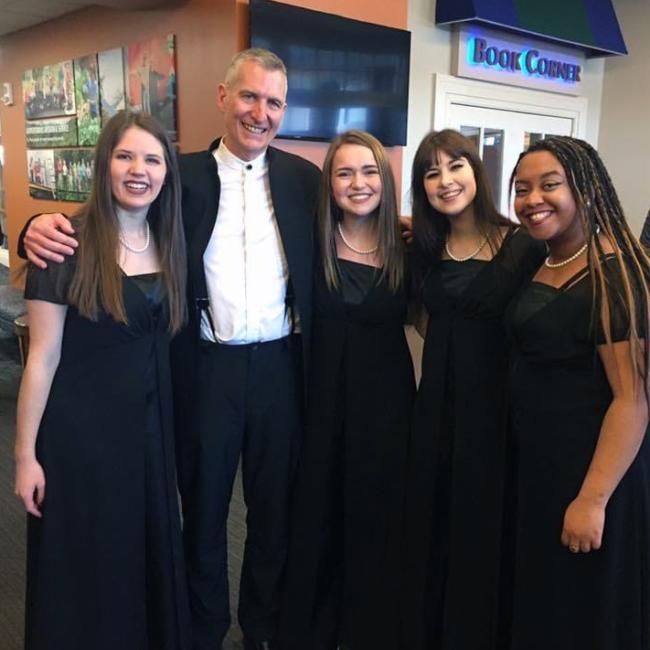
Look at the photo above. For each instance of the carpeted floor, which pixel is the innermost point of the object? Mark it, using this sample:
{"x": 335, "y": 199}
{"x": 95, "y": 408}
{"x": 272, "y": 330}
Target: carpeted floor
{"x": 11, "y": 302}
{"x": 12, "y": 517}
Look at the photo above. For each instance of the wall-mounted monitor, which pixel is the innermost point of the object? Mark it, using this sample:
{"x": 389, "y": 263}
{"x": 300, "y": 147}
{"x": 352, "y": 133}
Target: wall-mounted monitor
{"x": 343, "y": 73}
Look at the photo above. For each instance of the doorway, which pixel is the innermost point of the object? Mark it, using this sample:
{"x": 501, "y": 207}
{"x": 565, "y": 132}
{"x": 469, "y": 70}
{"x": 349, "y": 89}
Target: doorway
{"x": 500, "y": 136}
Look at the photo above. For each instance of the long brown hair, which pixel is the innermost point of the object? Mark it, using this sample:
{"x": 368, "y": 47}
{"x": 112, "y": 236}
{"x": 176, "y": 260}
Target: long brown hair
{"x": 390, "y": 247}
{"x": 97, "y": 280}
{"x": 430, "y": 227}
{"x": 599, "y": 210}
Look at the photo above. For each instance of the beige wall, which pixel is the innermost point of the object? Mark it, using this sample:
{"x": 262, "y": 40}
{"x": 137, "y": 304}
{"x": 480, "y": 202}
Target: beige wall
{"x": 624, "y": 141}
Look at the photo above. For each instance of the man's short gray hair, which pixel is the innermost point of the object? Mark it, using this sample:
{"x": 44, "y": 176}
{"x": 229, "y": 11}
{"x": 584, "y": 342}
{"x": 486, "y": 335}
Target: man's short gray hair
{"x": 264, "y": 58}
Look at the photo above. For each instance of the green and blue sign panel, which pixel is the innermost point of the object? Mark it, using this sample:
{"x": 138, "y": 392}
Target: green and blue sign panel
{"x": 590, "y": 25}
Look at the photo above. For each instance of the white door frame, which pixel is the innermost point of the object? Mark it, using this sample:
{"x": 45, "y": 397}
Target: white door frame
{"x": 448, "y": 90}
{"x": 513, "y": 127}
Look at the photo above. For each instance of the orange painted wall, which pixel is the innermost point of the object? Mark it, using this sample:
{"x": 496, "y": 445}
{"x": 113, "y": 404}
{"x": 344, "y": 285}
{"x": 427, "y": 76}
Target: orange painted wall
{"x": 208, "y": 33}
{"x": 205, "y": 42}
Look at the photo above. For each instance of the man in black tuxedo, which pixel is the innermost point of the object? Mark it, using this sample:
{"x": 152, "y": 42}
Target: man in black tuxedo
{"x": 238, "y": 366}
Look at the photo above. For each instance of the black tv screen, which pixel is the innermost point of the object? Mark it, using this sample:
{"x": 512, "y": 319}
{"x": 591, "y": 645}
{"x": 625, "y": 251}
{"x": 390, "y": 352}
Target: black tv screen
{"x": 343, "y": 74}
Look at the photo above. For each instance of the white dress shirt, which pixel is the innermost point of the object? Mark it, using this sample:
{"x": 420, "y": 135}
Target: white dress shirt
{"x": 245, "y": 265}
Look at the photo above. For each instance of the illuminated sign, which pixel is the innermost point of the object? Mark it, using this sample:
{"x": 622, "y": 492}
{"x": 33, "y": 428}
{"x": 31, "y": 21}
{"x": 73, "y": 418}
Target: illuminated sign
{"x": 528, "y": 61}
{"x": 505, "y": 58}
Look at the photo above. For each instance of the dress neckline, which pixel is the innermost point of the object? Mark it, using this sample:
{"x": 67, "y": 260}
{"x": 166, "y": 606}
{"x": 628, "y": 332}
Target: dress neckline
{"x": 511, "y": 233}
{"x": 368, "y": 266}
{"x": 144, "y": 275}
{"x": 577, "y": 277}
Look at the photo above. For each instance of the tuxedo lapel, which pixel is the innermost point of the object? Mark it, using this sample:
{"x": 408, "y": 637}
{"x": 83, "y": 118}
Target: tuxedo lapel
{"x": 292, "y": 216}
{"x": 206, "y": 204}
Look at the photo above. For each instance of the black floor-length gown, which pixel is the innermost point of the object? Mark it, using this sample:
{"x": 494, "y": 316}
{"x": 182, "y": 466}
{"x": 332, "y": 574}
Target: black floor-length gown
{"x": 453, "y": 542}
{"x": 104, "y": 563}
{"x": 342, "y": 583}
{"x": 560, "y": 393}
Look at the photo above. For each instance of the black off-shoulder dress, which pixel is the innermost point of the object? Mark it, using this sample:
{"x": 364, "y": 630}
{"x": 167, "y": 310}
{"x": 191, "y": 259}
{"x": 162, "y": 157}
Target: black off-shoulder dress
{"x": 560, "y": 394}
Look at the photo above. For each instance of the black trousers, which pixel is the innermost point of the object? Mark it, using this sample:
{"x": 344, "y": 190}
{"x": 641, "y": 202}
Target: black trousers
{"x": 249, "y": 405}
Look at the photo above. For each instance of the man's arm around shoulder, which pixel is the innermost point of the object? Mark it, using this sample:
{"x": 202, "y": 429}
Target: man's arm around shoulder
{"x": 45, "y": 237}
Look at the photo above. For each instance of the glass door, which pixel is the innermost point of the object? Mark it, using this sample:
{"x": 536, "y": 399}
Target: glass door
{"x": 500, "y": 136}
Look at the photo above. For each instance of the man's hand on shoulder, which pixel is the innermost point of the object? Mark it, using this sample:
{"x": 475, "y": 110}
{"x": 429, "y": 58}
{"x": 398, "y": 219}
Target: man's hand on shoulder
{"x": 49, "y": 237}
{"x": 406, "y": 226}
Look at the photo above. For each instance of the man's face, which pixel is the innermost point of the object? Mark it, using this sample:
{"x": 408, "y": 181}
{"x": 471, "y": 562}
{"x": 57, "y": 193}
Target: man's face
{"x": 253, "y": 105}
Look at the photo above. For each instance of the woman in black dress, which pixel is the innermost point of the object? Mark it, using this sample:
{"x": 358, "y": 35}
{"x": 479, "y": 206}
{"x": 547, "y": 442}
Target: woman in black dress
{"x": 469, "y": 262}
{"x": 580, "y": 412}
{"x": 94, "y": 449}
{"x": 342, "y": 585}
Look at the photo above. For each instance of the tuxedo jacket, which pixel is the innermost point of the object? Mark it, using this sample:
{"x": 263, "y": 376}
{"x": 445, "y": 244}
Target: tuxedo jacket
{"x": 294, "y": 186}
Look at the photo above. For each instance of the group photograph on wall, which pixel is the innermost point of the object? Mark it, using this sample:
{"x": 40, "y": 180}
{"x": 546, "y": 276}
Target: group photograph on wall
{"x": 67, "y": 103}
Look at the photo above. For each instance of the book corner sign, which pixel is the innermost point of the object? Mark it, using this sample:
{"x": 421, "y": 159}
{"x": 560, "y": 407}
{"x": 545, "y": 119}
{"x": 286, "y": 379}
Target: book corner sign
{"x": 515, "y": 60}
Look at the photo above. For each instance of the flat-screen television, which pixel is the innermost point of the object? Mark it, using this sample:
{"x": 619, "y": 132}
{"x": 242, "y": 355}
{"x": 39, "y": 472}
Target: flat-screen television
{"x": 343, "y": 74}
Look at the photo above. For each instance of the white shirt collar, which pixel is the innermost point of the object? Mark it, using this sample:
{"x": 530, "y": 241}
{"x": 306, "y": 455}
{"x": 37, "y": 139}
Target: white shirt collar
{"x": 227, "y": 159}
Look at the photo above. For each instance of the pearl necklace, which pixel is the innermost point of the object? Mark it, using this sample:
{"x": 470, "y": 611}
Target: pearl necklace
{"x": 137, "y": 251}
{"x": 470, "y": 256}
{"x": 557, "y": 265}
{"x": 358, "y": 251}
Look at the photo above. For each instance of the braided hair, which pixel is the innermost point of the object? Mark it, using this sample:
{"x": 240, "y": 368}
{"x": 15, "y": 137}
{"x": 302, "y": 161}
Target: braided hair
{"x": 600, "y": 211}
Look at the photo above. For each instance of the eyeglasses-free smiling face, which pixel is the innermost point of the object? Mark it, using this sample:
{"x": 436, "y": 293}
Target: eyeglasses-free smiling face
{"x": 356, "y": 183}
{"x": 450, "y": 184}
{"x": 138, "y": 169}
{"x": 253, "y": 105}
{"x": 543, "y": 199}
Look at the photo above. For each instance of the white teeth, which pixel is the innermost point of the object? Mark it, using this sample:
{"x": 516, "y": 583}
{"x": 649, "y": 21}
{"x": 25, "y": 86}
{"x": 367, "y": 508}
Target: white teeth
{"x": 539, "y": 216}
{"x": 449, "y": 195}
{"x": 258, "y": 130}
{"x": 135, "y": 185}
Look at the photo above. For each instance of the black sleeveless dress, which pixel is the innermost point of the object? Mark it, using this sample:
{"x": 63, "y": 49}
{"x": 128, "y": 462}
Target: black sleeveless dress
{"x": 455, "y": 578}
{"x": 342, "y": 581}
{"x": 104, "y": 563}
